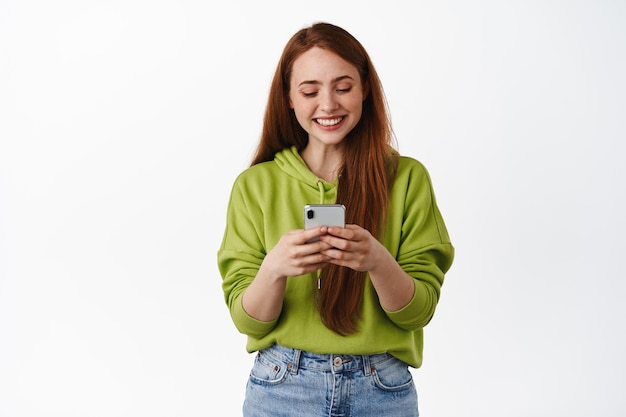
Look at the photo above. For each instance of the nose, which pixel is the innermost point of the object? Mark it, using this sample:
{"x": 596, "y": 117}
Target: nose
{"x": 328, "y": 102}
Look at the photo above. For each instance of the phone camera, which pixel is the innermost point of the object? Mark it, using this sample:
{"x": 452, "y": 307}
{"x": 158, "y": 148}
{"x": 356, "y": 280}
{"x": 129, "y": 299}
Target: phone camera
{"x": 310, "y": 214}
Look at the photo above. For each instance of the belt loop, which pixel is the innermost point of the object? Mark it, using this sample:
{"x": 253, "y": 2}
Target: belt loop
{"x": 367, "y": 368}
{"x": 295, "y": 363}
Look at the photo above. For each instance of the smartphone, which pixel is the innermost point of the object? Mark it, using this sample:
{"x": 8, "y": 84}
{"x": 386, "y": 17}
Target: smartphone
{"x": 324, "y": 215}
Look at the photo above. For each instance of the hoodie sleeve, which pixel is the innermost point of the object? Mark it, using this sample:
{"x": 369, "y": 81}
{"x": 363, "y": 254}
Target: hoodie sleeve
{"x": 239, "y": 258}
{"x": 424, "y": 250}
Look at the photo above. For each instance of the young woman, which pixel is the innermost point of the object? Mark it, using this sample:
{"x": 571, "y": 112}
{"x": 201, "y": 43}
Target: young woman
{"x": 336, "y": 322}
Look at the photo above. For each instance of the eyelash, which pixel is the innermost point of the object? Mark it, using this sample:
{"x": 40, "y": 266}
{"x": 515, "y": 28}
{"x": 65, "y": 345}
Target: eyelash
{"x": 341, "y": 91}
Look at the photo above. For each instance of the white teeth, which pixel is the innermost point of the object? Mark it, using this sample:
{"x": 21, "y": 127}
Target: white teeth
{"x": 329, "y": 122}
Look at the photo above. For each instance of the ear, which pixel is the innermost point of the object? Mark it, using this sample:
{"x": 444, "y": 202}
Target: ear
{"x": 366, "y": 90}
{"x": 288, "y": 97}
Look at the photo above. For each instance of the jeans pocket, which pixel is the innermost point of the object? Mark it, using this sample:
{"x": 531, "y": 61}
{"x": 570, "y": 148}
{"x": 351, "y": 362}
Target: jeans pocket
{"x": 392, "y": 375}
{"x": 268, "y": 370}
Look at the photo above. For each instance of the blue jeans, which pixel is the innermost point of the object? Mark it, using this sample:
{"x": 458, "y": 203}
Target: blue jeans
{"x": 290, "y": 382}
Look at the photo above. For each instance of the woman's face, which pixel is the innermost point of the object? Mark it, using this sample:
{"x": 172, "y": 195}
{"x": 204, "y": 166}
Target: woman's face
{"x": 326, "y": 95}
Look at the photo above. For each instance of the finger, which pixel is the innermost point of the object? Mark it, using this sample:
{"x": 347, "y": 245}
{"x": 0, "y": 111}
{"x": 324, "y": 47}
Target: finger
{"x": 312, "y": 263}
{"x": 335, "y": 254}
{"x": 314, "y": 247}
{"x": 309, "y": 235}
{"x": 336, "y": 242}
{"x": 349, "y": 232}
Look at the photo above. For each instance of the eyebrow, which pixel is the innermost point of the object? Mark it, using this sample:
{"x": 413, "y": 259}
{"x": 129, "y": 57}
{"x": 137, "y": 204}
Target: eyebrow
{"x": 334, "y": 80}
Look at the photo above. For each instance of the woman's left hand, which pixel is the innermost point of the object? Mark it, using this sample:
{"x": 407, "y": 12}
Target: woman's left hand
{"x": 353, "y": 247}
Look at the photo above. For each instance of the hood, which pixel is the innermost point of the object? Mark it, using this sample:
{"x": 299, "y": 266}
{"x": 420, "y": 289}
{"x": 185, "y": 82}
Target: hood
{"x": 290, "y": 161}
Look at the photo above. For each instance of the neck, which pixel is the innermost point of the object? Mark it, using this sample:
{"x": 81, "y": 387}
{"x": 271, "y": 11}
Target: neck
{"x": 325, "y": 164}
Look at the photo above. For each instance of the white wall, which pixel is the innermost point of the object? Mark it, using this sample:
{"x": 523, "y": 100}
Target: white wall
{"x": 124, "y": 123}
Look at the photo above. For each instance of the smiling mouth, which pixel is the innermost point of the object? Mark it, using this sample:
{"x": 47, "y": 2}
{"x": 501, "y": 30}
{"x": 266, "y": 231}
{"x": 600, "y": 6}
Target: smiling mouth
{"x": 329, "y": 122}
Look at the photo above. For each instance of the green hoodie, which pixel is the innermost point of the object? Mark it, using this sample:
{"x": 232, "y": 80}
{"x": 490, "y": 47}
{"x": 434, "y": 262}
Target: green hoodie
{"x": 267, "y": 200}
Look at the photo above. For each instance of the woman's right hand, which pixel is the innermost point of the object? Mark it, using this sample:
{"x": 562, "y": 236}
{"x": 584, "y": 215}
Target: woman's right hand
{"x": 293, "y": 255}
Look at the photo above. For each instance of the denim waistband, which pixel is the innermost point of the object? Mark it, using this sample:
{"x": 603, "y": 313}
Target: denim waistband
{"x": 336, "y": 363}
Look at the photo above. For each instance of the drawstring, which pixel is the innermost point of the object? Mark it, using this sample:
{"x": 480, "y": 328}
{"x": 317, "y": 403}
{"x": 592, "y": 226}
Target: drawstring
{"x": 320, "y": 186}
{"x": 318, "y": 275}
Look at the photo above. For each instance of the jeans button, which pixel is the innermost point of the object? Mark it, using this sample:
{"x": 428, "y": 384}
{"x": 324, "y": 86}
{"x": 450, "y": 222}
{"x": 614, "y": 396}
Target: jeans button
{"x": 337, "y": 361}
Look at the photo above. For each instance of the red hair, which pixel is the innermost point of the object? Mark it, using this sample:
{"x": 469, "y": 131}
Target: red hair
{"x": 369, "y": 164}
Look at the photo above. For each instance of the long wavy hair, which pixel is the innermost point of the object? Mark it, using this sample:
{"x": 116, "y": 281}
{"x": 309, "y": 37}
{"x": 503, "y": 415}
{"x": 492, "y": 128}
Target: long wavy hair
{"x": 368, "y": 169}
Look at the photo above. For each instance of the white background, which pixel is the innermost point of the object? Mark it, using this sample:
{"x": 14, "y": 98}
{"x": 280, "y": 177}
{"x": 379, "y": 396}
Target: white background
{"x": 124, "y": 122}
